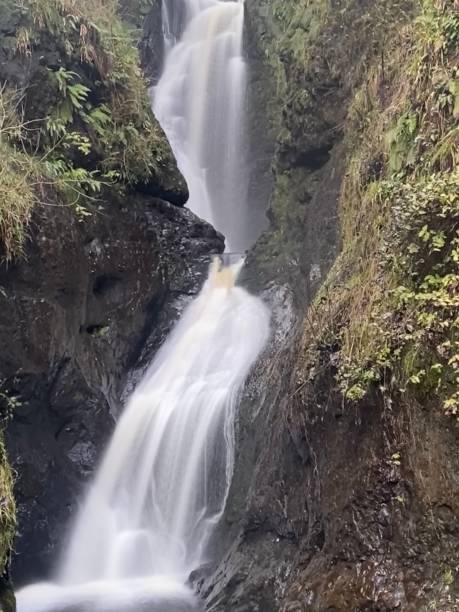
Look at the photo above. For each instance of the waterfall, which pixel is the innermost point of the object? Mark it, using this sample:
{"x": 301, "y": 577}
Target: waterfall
{"x": 162, "y": 485}
{"x": 165, "y": 476}
{"x": 200, "y": 102}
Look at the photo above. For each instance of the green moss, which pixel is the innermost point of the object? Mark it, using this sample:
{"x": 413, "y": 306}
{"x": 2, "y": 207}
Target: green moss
{"x": 318, "y": 54}
{"x": 19, "y": 174}
{"x": 7, "y": 599}
{"x": 100, "y": 96}
{"x": 17, "y": 198}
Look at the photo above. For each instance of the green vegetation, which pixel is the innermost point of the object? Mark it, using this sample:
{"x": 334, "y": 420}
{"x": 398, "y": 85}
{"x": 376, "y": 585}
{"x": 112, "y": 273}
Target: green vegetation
{"x": 7, "y": 522}
{"x": 19, "y": 174}
{"x": 7, "y": 506}
{"x": 134, "y": 11}
{"x": 389, "y": 310}
{"x": 85, "y": 120}
{"x": 101, "y": 110}
{"x": 318, "y": 53}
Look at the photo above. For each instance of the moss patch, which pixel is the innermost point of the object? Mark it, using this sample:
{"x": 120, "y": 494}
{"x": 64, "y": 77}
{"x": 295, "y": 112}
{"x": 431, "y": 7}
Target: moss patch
{"x": 318, "y": 51}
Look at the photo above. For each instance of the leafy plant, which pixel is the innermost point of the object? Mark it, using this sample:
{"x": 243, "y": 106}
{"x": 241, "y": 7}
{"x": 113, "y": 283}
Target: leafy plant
{"x": 90, "y": 126}
{"x": 18, "y": 173}
{"x": 401, "y": 142}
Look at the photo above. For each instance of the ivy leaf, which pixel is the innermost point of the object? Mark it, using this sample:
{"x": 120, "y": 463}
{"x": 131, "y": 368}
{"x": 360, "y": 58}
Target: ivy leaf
{"x": 424, "y": 234}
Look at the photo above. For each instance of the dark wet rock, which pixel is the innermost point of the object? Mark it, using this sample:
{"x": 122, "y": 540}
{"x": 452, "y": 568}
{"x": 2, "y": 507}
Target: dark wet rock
{"x": 75, "y": 317}
{"x": 7, "y": 598}
{"x": 171, "y": 187}
{"x": 297, "y": 145}
{"x": 152, "y": 41}
{"x": 320, "y": 515}
{"x": 261, "y": 124}
{"x": 151, "y": 45}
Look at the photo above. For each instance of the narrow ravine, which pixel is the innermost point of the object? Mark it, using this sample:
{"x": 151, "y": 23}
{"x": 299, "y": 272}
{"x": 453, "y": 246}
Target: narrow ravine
{"x": 154, "y": 503}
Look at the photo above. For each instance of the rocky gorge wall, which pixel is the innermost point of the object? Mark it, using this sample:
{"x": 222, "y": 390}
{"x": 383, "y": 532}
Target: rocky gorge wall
{"x": 345, "y": 491}
{"x": 99, "y": 276}
{"x": 75, "y": 320}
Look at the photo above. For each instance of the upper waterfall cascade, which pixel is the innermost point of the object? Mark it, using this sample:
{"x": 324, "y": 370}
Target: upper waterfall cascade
{"x": 200, "y": 102}
{"x": 162, "y": 485}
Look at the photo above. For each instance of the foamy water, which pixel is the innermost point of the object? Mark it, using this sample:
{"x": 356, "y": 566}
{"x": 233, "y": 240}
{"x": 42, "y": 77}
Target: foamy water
{"x": 201, "y": 102}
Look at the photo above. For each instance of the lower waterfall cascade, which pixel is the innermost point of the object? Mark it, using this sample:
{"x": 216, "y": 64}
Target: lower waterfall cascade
{"x": 161, "y": 488}
{"x": 163, "y": 483}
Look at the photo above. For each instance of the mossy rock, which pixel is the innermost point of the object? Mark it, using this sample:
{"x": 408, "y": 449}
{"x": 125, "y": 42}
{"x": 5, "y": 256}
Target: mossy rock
{"x": 7, "y": 598}
{"x": 84, "y": 113}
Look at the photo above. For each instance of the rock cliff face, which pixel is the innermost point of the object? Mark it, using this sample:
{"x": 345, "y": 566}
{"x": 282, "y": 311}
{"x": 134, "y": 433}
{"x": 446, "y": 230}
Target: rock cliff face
{"x": 322, "y": 515}
{"x": 92, "y": 297}
{"x": 337, "y": 504}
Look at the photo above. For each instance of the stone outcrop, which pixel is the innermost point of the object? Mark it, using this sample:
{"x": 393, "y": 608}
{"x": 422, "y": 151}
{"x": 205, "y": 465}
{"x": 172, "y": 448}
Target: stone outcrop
{"x": 75, "y": 316}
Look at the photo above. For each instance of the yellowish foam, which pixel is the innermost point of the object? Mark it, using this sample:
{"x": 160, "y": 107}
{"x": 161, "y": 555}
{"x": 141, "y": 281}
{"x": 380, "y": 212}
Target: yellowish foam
{"x": 221, "y": 277}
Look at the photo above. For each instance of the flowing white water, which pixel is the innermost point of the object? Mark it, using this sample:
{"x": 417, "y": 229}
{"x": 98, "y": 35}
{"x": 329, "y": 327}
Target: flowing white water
{"x": 163, "y": 483}
{"x": 200, "y": 102}
{"x": 164, "y": 480}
